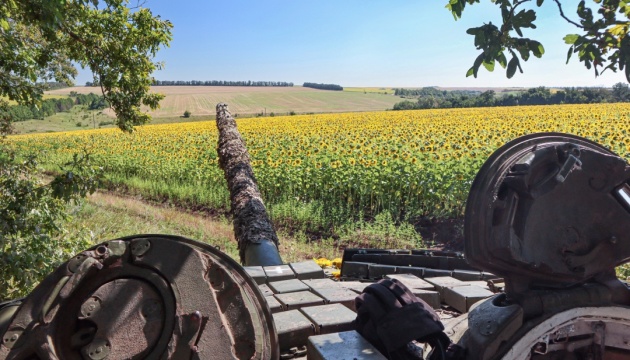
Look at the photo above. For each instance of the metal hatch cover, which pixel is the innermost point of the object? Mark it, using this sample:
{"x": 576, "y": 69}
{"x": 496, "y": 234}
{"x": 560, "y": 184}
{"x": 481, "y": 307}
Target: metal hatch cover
{"x": 549, "y": 210}
{"x": 144, "y": 297}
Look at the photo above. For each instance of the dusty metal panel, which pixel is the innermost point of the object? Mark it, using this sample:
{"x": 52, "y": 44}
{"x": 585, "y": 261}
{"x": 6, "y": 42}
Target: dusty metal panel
{"x": 342, "y": 345}
{"x": 287, "y": 286}
{"x": 257, "y": 273}
{"x": 466, "y": 275}
{"x": 321, "y": 283}
{"x": 355, "y": 286}
{"x": 265, "y": 290}
{"x": 431, "y": 273}
{"x": 378, "y": 271}
{"x": 330, "y": 318}
{"x": 338, "y": 295}
{"x": 279, "y": 272}
{"x": 307, "y": 270}
{"x": 356, "y": 270}
{"x": 443, "y": 282}
{"x": 459, "y": 263}
{"x": 399, "y": 260}
{"x": 274, "y": 304}
{"x": 429, "y": 296}
{"x": 412, "y": 281}
{"x": 293, "y": 329}
{"x": 413, "y": 270}
{"x": 481, "y": 283}
{"x": 463, "y": 297}
{"x": 349, "y": 253}
{"x": 295, "y": 300}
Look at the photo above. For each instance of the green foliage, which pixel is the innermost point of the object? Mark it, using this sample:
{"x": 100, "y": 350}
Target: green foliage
{"x": 621, "y": 92}
{"x": 41, "y": 40}
{"x": 623, "y": 271}
{"x": 383, "y": 231}
{"x": 32, "y": 215}
{"x": 603, "y": 43}
{"x": 533, "y": 96}
{"x": 187, "y": 114}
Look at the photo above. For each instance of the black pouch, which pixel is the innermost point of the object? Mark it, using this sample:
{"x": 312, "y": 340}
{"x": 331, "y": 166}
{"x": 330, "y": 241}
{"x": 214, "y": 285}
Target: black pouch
{"x": 390, "y": 317}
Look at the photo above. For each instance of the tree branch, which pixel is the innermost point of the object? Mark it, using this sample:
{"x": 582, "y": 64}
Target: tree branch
{"x": 565, "y": 17}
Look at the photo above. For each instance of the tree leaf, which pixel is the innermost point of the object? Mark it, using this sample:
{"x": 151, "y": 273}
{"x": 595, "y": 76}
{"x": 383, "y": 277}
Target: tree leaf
{"x": 511, "y": 67}
{"x": 536, "y": 48}
{"x": 489, "y": 65}
{"x": 571, "y": 38}
{"x": 477, "y": 64}
{"x": 539, "y": 2}
{"x": 502, "y": 60}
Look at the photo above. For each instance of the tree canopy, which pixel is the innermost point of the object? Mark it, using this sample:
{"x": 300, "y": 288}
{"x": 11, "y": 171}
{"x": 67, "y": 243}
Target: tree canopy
{"x": 601, "y": 44}
{"x": 41, "y": 40}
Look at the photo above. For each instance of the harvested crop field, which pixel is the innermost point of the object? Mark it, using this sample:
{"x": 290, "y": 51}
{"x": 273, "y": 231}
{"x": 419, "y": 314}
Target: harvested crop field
{"x": 201, "y": 100}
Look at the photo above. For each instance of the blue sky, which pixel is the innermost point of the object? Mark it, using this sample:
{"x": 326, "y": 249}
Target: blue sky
{"x": 393, "y": 43}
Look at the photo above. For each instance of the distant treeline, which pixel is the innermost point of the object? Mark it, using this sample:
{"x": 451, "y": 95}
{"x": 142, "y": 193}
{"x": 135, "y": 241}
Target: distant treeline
{"x": 55, "y": 85}
{"x": 431, "y": 91}
{"x": 50, "y": 107}
{"x": 534, "y": 96}
{"x": 212, "y": 83}
{"x": 323, "y": 86}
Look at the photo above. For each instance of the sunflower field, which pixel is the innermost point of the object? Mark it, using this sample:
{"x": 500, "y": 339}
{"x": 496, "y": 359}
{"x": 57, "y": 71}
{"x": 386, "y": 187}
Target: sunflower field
{"x": 322, "y": 171}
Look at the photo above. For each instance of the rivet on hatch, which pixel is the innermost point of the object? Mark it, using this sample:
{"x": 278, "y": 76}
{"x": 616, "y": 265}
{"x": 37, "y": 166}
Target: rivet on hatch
{"x": 11, "y": 337}
{"x": 140, "y": 247}
{"x": 97, "y": 350}
{"x": 75, "y": 262}
{"x": 90, "y": 307}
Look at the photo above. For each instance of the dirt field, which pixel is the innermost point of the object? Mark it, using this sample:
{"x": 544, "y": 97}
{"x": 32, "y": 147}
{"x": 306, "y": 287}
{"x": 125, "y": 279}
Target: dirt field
{"x": 201, "y": 100}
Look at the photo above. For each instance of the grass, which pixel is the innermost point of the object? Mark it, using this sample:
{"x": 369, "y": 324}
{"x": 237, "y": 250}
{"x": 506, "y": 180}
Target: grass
{"x": 247, "y": 101}
{"x": 65, "y": 121}
{"x": 136, "y": 216}
{"x": 370, "y": 90}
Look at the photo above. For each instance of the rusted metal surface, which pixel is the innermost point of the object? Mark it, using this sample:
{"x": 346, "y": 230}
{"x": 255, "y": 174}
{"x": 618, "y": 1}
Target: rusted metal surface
{"x": 545, "y": 210}
{"x": 149, "y": 297}
{"x": 257, "y": 239}
{"x": 549, "y": 214}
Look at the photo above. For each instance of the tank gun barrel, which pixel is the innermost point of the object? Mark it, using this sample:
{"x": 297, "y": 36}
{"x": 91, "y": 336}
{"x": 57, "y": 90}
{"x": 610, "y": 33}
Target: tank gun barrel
{"x": 257, "y": 239}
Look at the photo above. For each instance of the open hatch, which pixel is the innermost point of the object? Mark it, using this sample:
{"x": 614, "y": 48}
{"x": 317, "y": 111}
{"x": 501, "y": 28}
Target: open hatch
{"x": 550, "y": 213}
